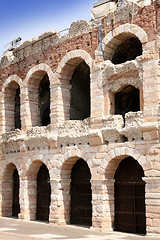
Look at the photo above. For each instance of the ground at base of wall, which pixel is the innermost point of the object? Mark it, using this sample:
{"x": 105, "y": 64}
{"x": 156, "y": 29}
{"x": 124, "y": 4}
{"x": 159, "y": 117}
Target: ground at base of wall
{"x": 18, "y": 229}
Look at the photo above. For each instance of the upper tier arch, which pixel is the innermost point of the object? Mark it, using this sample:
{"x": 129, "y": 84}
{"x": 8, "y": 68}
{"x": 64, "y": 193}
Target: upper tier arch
{"x": 119, "y": 35}
{"x": 79, "y": 56}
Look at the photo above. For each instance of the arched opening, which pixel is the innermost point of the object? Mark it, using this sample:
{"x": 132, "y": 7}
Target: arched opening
{"x": 10, "y": 192}
{"x": 130, "y": 197}
{"x": 15, "y": 203}
{"x": 17, "y": 118}
{"x": 81, "y": 194}
{"x": 126, "y": 100}
{"x": 129, "y": 48}
{"x": 39, "y": 98}
{"x": 43, "y": 194}
{"x": 80, "y": 92}
{"x": 12, "y": 107}
{"x": 44, "y": 101}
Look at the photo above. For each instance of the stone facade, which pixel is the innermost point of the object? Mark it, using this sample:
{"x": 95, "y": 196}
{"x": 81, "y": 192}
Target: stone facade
{"x": 104, "y": 139}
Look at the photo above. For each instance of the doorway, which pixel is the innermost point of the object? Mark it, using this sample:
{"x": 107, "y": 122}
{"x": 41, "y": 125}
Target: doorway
{"x": 130, "y": 197}
{"x": 15, "y": 200}
{"x": 43, "y": 194}
{"x": 81, "y": 194}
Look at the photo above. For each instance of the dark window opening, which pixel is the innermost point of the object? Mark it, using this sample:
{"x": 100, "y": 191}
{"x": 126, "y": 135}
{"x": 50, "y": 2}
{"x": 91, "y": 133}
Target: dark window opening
{"x": 17, "y": 117}
{"x": 123, "y": 138}
{"x": 127, "y": 100}
{"x": 128, "y": 50}
{"x": 81, "y": 194}
{"x": 130, "y": 197}
{"x": 80, "y": 93}
{"x": 43, "y": 194}
{"x": 15, "y": 200}
{"x": 44, "y": 101}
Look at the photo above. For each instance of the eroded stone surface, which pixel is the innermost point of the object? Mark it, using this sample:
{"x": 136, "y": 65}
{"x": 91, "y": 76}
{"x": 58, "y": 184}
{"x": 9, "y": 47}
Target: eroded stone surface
{"x": 104, "y": 139}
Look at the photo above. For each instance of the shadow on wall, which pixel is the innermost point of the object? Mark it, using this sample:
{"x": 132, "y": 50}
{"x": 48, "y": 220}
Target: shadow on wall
{"x": 80, "y": 93}
{"x": 127, "y": 100}
{"x": 12, "y": 106}
{"x": 39, "y": 98}
{"x": 123, "y": 47}
{"x": 44, "y": 101}
{"x": 129, "y": 49}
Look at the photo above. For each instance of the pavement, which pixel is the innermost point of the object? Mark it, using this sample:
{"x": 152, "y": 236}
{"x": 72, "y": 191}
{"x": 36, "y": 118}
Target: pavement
{"x": 15, "y": 229}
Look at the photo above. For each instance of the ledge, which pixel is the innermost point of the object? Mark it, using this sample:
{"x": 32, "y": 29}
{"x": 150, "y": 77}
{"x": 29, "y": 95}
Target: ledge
{"x": 74, "y": 132}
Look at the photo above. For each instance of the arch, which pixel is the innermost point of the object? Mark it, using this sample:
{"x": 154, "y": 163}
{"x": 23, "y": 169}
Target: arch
{"x": 114, "y": 38}
{"x": 73, "y": 58}
{"x": 71, "y": 157}
{"x": 12, "y": 78}
{"x": 109, "y": 166}
{"x": 32, "y": 173}
{"x": 11, "y": 99}
{"x": 33, "y": 169}
{"x": 115, "y": 156}
{"x": 38, "y": 71}
{"x": 38, "y": 81}
{"x": 66, "y": 70}
{"x": 10, "y": 191}
{"x": 8, "y": 167}
{"x": 69, "y": 161}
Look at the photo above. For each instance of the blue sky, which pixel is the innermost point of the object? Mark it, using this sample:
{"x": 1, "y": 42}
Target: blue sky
{"x": 31, "y": 18}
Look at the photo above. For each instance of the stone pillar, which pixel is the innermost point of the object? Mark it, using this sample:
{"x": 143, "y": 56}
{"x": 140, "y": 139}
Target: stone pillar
{"x": 152, "y": 190}
{"x": 151, "y": 90}
{"x": 66, "y": 201}
{"x": 102, "y": 204}
{"x": 151, "y": 96}
{"x": 28, "y": 199}
{"x": 60, "y": 103}
{"x": 24, "y": 200}
{"x": 110, "y": 211}
{"x": 53, "y": 105}
{"x": 25, "y": 111}
{"x": 0, "y": 197}
{"x": 6, "y": 197}
{"x": 60, "y": 201}
{"x": 97, "y": 98}
{"x": 2, "y": 115}
{"x": 97, "y": 106}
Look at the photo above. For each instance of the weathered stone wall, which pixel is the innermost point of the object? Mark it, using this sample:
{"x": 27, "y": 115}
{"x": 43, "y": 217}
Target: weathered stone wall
{"x": 103, "y": 140}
